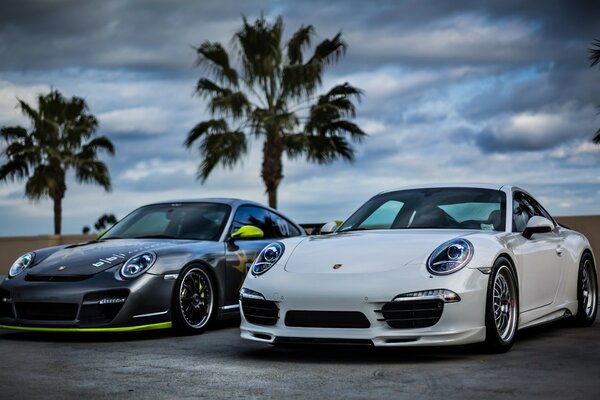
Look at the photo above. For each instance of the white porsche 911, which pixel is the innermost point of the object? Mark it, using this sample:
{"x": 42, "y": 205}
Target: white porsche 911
{"x": 429, "y": 265}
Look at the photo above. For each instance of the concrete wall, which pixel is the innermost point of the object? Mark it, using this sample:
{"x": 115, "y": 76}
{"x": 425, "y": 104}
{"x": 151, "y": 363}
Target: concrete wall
{"x": 13, "y": 247}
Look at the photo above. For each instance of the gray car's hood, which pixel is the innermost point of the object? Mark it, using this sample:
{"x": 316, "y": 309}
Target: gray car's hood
{"x": 97, "y": 256}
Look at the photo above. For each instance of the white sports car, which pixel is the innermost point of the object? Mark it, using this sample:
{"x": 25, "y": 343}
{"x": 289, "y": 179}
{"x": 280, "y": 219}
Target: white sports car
{"x": 428, "y": 265}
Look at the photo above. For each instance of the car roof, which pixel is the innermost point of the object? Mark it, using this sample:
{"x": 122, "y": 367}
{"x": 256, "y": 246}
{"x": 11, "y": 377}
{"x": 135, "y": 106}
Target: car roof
{"x": 221, "y": 200}
{"x": 493, "y": 186}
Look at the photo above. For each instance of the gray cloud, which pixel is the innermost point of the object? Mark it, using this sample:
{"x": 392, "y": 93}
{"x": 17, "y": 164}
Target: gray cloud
{"x": 461, "y": 91}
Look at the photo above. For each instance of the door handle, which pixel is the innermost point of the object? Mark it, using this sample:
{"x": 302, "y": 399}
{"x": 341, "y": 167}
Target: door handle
{"x": 559, "y": 250}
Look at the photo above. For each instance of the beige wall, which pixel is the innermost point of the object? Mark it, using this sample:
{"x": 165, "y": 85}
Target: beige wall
{"x": 13, "y": 247}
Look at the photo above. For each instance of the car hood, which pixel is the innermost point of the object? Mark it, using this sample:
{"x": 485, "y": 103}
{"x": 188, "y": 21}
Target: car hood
{"x": 368, "y": 251}
{"x": 97, "y": 256}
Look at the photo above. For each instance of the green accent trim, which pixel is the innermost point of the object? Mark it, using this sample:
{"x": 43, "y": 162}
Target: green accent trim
{"x": 248, "y": 232}
{"x": 161, "y": 325}
{"x": 338, "y": 222}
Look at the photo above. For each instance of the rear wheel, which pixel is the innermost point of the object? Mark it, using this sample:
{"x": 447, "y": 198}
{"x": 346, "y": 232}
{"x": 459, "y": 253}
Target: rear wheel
{"x": 193, "y": 300}
{"x": 502, "y": 308}
{"x": 587, "y": 292}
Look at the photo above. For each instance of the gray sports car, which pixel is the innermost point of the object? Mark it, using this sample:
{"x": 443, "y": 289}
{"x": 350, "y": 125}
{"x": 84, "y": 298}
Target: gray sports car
{"x": 178, "y": 263}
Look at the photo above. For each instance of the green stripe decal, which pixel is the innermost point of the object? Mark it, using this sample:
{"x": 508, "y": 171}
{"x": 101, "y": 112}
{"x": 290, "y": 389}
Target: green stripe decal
{"x": 162, "y": 325}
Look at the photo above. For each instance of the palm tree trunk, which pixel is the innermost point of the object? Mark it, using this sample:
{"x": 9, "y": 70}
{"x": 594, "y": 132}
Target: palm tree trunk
{"x": 272, "y": 168}
{"x": 57, "y": 215}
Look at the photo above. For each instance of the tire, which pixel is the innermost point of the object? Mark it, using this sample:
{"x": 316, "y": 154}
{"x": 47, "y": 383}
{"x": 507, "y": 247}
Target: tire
{"x": 502, "y": 307}
{"x": 587, "y": 292}
{"x": 194, "y": 300}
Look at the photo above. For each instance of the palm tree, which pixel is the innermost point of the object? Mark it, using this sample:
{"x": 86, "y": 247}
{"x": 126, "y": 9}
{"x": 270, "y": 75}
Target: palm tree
{"x": 272, "y": 96}
{"x": 595, "y": 59}
{"x": 61, "y": 138}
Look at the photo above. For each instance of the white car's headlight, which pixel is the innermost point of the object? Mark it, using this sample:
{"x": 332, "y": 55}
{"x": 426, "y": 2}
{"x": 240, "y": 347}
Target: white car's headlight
{"x": 450, "y": 257}
{"x": 137, "y": 265}
{"x": 267, "y": 258}
{"x": 21, "y": 264}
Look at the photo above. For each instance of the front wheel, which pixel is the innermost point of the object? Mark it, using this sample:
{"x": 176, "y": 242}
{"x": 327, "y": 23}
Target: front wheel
{"x": 502, "y": 308}
{"x": 587, "y": 292}
{"x": 193, "y": 300}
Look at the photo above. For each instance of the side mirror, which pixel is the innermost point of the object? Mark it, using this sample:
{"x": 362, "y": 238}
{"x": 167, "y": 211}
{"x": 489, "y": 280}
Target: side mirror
{"x": 537, "y": 224}
{"x": 248, "y": 232}
{"x": 330, "y": 227}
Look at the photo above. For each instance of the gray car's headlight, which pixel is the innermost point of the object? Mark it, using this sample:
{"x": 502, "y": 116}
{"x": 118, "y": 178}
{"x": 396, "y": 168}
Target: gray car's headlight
{"x": 137, "y": 265}
{"x": 267, "y": 258}
{"x": 450, "y": 257}
{"x": 21, "y": 264}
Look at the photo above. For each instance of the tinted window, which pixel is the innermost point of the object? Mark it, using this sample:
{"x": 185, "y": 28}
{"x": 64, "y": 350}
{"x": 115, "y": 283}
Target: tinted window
{"x": 436, "y": 208}
{"x": 272, "y": 224}
{"x": 525, "y": 207}
{"x": 197, "y": 221}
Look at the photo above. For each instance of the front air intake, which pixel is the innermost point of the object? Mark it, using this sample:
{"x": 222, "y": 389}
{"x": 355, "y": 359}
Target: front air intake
{"x": 260, "y": 312}
{"x": 412, "y": 313}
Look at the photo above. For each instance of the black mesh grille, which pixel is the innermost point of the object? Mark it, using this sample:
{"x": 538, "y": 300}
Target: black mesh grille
{"x": 412, "y": 314}
{"x": 5, "y": 307}
{"x": 261, "y": 312}
{"x": 47, "y": 311}
{"x": 326, "y": 319}
{"x": 325, "y": 341}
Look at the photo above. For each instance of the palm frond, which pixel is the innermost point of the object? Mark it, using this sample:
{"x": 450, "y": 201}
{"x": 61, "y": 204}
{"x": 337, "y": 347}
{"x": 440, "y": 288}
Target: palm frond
{"x": 260, "y": 48}
{"x": 10, "y": 133}
{"x": 210, "y": 127}
{"x": 43, "y": 182}
{"x": 328, "y": 115}
{"x": 14, "y": 170}
{"x": 595, "y": 53}
{"x": 233, "y": 104}
{"x": 91, "y": 170}
{"x": 301, "y": 79}
{"x": 216, "y": 60}
{"x": 597, "y": 137}
{"x": 100, "y": 143}
{"x": 224, "y": 149}
{"x": 299, "y": 42}
{"x": 329, "y": 51}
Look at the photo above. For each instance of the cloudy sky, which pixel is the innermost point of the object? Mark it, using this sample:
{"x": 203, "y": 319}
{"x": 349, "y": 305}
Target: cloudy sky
{"x": 461, "y": 91}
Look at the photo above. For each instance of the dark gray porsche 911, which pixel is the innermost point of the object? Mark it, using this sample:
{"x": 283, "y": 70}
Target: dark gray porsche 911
{"x": 176, "y": 264}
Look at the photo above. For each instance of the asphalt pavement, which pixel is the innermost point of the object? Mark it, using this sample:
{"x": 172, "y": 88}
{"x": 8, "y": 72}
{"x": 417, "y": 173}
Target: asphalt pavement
{"x": 550, "y": 362}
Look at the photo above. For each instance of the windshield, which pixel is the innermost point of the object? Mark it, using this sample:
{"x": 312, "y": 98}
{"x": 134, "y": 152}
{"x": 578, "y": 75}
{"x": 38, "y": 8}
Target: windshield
{"x": 196, "y": 221}
{"x": 436, "y": 208}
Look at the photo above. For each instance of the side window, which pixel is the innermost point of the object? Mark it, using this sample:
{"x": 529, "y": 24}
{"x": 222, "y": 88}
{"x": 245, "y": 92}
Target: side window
{"x": 539, "y": 210}
{"x": 281, "y": 227}
{"x": 256, "y": 216}
{"x": 522, "y": 211}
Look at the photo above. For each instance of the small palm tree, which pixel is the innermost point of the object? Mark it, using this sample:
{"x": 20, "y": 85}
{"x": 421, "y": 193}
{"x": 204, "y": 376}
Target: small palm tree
{"x": 272, "y": 96}
{"x": 595, "y": 59}
{"x": 61, "y": 138}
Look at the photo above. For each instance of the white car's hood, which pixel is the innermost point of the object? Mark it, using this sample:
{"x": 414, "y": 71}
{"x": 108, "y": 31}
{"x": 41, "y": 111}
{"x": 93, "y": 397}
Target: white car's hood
{"x": 368, "y": 251}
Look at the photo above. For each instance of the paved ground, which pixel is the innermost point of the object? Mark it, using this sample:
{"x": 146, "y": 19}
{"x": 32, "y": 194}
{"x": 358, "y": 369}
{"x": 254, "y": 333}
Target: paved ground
{"x": 554, "y": 361}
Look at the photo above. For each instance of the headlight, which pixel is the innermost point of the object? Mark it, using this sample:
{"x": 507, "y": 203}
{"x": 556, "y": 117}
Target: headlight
{"x": 450, "y": 257}
{"x": 267, "y": 258}
{"x": 137, "y": 265}
{"x": 21, "y": 264}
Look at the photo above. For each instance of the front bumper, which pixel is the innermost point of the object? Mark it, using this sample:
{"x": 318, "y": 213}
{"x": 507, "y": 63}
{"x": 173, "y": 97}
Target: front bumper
{"x": 100, "y": 303}
{"x": 461, "y": 322}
